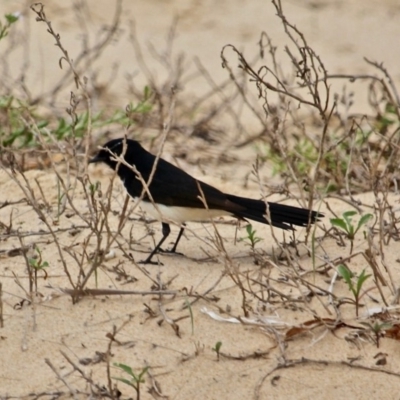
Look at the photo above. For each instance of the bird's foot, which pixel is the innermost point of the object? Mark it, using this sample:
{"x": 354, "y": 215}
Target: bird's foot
{"x": 149, "y": 261}
{"x": 171, "y": 251}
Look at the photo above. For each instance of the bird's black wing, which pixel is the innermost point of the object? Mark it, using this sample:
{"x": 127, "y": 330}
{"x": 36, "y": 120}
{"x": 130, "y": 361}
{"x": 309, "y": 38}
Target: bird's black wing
{"x": 174, "y": 187}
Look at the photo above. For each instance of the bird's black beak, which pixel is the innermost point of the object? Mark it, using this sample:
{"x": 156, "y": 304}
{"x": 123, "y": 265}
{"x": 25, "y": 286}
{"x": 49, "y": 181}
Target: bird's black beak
{"x": 95, "y": 159}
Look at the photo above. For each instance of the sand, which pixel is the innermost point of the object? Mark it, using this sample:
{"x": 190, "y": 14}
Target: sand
{"x": 258, "y": 359}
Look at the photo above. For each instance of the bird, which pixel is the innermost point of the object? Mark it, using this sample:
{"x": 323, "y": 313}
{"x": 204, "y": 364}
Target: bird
{"x": 180, "y": 198}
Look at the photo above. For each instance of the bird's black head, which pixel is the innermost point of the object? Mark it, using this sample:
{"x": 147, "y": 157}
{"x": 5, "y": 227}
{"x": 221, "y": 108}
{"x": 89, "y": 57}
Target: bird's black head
{"x": 115, "y": 147}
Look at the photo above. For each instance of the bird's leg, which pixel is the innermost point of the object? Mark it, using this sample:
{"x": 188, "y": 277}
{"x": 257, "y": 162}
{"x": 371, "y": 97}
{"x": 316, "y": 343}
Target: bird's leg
{"x": 173, "y": 250}
{"x": 166, "y": 230}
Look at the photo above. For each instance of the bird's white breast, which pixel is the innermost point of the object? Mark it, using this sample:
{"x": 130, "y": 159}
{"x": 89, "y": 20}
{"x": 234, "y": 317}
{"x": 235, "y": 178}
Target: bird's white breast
{"x": 179, "y": 215}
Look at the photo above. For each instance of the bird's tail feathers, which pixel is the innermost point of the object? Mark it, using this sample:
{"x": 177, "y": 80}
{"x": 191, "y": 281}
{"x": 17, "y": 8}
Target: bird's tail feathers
{"x": 281, "y": 215}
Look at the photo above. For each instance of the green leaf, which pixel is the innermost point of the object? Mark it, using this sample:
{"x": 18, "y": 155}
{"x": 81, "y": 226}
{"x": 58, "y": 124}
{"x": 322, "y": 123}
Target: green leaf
{"x": 381, "y": 327}
{"x": 331, "y": 188}
{"x": 125, "y": 368}
{"x": 217, "y": 347}
{"x": 249, "y": 230}
{"x": 345, "y": 273}
{"x": 146, "y": 92}
{"x": 144, "y": 370}
{"x": 347, "y": 216}
{"x": 363, "y": 220}
{"x": 129, "y": 383}
{"x": 339, "y": 223}
{"x": 32, "y": 262}
{"x": 11, "y": 18}
{"x": 361, "y": 279}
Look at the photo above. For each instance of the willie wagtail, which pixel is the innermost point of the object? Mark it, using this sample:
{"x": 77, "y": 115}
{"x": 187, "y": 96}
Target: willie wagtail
{"x": 179, "y": 199}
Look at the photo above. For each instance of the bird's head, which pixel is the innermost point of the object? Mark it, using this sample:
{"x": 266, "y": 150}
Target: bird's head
{"x": 110, "y": 150}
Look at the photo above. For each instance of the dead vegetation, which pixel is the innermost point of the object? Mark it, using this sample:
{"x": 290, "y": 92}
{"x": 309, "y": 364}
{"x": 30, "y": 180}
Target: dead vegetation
{"x": 340, "y": 277}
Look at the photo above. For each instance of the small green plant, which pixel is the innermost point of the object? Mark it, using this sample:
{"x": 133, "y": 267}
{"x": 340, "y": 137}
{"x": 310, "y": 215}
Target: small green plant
{"x": 388, "y": 118}
{"x": 356, "y": 288}
{"x": 16, "y": 133}
{"x": 134, "y": 379}
{"x": 94, "y": 187}
{"x": 378, "y": 329}
{"x": 346, "y": 225}
{"x": 144, "y": 106}
{"x": 267, "y": 153}
{"x": 251, "y": 237}
{"x": 217, "y": 349}
{"x": 78, "y": 128}
{"x": 306, "y": 153}
{"x": 14, "y": 129}
{"x": 37, "y": 264}
{"x": 5, "y": 27}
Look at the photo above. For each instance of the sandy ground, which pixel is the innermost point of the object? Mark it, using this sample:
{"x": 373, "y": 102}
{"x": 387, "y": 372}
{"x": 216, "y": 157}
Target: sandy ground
{"x": 184, "y": 366}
